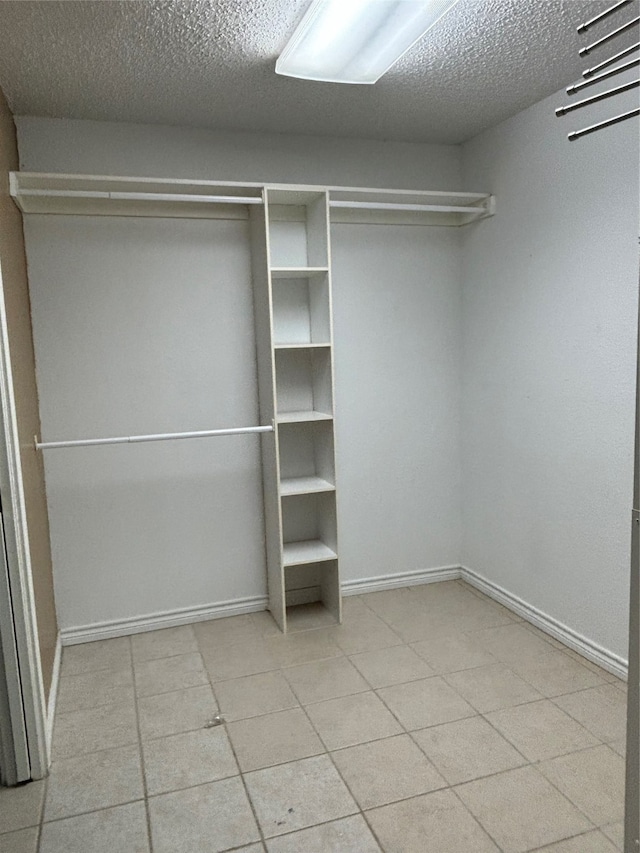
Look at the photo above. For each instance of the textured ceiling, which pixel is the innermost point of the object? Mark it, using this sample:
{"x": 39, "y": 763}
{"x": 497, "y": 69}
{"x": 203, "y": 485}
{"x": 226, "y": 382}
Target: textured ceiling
{"x": 210, "y": 63}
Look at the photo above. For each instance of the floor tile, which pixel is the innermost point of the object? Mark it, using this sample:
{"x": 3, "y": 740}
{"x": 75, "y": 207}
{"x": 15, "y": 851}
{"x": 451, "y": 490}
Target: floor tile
{"x": 467, "y": 749}
{"x": 165, "y": 675}
{"x": 297, "y": 795}
{"x": 386, "y": 771}
{"x": 453, "y": 653}
{"x": 188, "y": 759}
{"x": 21, "y": 807}
{"x": 592, "y": 779}
{"x": 325, "y": 679}
{"x": 123, "y": 828}
{"x": 254, "y": 695}
{"x": 352, "y": 719}
{"x": 352, "y": 606}
{"x": 171, "y": 713}
{"x": 92, "y": 689}
{"x": 602, "y": 710}
{"x": 364, "y": 633}
{"x": 590, "y": 842}
{"x": 82, "y": 732}
{"x": 619, "y": 746}
{"x": 615, "y": 833}
{"x": 419, "y": 704}
{"x": 489, "y": 688}
{"x": 22, "y": 841}
{"x": 273, "y": 739}
{"x": 439, "y": 817}
{"x": 243, "y": 658}
{"x": 227, "y": 631}
{"x": 541, "y": 730}
{"x": 511, "y": 643}
{"x": 265, "y": 624}
{"x": 555, "y": 673}
{"x": 109, "y": 778}
{"x": 349, "y": 835}
{"x": 206, "y": 819}
{"x": 165, "y": 643}
{"x": 395, "y": 665}
{"x": 293, "y": 649}
{"x": 93, "y": 657}
{"x": 521, "y": 810}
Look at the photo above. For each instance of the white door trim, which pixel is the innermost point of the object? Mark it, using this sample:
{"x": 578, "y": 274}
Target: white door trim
{"x": 28, "y": 676}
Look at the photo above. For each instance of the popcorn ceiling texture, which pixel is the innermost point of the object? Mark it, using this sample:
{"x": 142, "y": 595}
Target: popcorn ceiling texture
{"x": 210, "y": 63}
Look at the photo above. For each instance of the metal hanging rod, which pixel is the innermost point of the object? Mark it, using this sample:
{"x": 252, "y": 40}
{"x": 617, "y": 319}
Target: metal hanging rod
{"x": 589, "y": 72}
{"x": 585, "y": 51}
{"x": 576, "y": 134}
{"x": 131, "y": 196}
{"x": 597, "y": 18}
{"x": 136, "y": 439}
{"x": 384, "y": 205}
{"x": 577, "y": 87}
{"x": 595, "y": 98}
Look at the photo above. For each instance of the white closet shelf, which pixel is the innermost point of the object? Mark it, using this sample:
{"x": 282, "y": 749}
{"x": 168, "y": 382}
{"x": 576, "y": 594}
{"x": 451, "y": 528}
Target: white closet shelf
{"x": 302, "y": 417}
{"x": 309, "y": 551}
{"x": 304, "y": 486}
{"x": 298, "y": 272}
{"x": 303, "y": 345}
{"x": 108, "y": 195}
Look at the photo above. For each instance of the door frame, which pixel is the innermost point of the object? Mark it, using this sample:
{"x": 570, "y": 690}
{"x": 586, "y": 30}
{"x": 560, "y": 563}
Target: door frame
{"x": 20, "y": 645}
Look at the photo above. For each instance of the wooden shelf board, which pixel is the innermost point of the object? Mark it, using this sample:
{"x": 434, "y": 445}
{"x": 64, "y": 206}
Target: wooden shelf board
{"x": 301, "y": 417}
{"x": 304, "y": 486}
{"x": 302, "y": 346}
{"x": 298, "y": 272}
{"x": 308, "y": 551}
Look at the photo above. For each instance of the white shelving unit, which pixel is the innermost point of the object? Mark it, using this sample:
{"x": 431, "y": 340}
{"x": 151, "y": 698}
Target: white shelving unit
{"x": 292, "y": 295}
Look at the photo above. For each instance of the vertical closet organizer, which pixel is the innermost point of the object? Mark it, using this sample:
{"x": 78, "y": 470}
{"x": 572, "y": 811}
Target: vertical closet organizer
{"x": 294, "y": 336}
{"x": 291, "y": 277}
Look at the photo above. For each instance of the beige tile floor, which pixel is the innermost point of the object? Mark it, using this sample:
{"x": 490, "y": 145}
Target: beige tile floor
{"x": 432, "y": 721}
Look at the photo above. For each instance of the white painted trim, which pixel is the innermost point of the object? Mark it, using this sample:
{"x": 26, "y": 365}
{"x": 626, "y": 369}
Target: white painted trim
{"x": 415, "y": 578}
{"x": 587, "y": 648}
{"x": 19, "y": 565}
{"x": 53, "y": 694}
{"x": 164, "y": 619}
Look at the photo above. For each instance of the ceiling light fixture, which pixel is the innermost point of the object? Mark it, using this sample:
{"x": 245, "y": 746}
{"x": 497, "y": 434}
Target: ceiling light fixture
{"x": 356, "y": 41}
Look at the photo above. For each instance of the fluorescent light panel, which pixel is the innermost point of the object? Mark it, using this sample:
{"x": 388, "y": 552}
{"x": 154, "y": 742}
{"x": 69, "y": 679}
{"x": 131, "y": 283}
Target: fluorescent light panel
{"x": 356, "y": 41}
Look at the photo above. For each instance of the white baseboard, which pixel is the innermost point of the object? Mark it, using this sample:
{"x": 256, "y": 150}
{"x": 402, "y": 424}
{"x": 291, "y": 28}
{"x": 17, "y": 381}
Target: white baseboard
{"x": 587, "y": 648}
{"x": 382, "y": 582}
{"x": 53, "y": 695}
{"x": 184, "y": 616}
{"x": 165, "y": 619}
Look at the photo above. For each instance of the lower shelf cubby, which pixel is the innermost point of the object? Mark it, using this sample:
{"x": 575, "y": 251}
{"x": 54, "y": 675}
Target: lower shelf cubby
{"x": 312, "y": 594}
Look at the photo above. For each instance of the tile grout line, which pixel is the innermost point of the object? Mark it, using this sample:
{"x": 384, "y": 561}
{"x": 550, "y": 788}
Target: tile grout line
{"x": 235, "y": 758}
{"x": 143, "y": 767}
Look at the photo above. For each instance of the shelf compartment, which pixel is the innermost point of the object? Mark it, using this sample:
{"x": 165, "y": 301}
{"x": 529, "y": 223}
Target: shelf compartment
{"x": 304, "y": 486}
{"x": 304, "y": 382}
{"x": 298, "y": 228}
{"x": 306, "y": 451}
{"x": 301, "y": 310}
{"x": 305, "y": 552}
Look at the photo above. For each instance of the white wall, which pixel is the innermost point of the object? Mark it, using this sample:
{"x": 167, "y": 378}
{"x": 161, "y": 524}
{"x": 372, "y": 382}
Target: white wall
{"x": 146, "y": 325}
{"x": 549, "y": 330}
{"x": 109, "y": 148}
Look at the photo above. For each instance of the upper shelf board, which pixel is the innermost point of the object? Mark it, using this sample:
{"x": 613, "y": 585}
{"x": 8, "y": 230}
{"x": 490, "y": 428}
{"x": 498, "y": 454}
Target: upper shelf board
{"x": 95, "y": 195}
